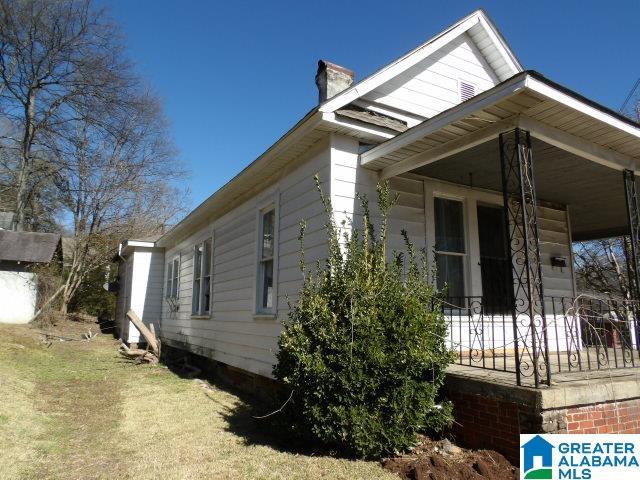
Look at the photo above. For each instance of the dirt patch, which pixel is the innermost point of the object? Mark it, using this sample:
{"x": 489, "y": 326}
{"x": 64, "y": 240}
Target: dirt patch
{"x": 441, "y": 460}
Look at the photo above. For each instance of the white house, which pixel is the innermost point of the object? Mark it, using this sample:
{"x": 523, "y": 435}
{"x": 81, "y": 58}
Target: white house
{"x": 453, "y": 125}
{"x": 20, "y": 252}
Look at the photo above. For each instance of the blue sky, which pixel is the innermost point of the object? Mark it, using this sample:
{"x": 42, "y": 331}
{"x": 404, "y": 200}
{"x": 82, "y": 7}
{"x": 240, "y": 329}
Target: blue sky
{"x": 235, "y": 76}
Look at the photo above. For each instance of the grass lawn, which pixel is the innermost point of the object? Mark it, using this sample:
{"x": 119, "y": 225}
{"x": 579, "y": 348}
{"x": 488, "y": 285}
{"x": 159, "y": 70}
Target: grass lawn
{"x": 77, "y": 410}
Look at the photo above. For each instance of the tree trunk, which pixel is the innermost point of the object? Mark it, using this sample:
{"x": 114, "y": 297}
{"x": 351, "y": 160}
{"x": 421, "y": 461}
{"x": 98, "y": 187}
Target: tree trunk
{"x": 22, "y": 192}
{"x": 47, "y": 303}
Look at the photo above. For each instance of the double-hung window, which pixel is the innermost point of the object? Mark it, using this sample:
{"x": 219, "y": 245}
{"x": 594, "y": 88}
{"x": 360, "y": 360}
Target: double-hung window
{"x": 266, "y": 249}
{"x": 173, "y": 272}
{"x": 450, "y": 247}
{"x": 201, "y": 298}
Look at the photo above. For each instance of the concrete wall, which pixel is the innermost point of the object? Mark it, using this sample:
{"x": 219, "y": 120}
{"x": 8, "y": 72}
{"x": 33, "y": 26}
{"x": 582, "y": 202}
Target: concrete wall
{"x": 18, "y": 296}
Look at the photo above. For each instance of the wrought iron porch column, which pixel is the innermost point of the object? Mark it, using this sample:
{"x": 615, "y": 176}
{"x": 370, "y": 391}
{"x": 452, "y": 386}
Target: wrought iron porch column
{"x": 522, "y": 242}
{"x": 632, "y": 249}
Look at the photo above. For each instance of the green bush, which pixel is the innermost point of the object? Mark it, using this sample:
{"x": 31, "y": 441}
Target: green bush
{"x": 363, "y": 353}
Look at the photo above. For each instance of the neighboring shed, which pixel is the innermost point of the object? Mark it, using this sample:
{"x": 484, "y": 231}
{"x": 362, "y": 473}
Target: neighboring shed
{"x": 6, "y": 220}
{"x": 19, "y": 253}
{"x": 140, "y": 272}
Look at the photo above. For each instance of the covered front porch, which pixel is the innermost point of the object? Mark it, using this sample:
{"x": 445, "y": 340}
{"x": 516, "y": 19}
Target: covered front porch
{"x": 512, "y": 178}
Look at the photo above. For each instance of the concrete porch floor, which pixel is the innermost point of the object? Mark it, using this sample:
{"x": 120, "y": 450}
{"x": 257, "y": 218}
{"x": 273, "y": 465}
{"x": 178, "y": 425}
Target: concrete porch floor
{"x": 501, "y": 369}
{"x": 557, "y": 378}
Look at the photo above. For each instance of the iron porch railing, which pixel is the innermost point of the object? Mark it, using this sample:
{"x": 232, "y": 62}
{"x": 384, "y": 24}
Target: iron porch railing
{"x": 583, "y": 334}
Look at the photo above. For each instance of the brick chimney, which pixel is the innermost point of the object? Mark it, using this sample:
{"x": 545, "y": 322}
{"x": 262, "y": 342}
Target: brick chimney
{"x": 332, "y": 79}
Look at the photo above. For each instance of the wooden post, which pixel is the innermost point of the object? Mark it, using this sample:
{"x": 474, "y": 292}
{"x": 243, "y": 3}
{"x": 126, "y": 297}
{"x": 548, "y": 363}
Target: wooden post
{"x": 146, "y": 333}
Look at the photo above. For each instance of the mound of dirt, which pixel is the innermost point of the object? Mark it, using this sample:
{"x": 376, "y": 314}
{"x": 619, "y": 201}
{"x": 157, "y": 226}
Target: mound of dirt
{"x": 442, "y": 460}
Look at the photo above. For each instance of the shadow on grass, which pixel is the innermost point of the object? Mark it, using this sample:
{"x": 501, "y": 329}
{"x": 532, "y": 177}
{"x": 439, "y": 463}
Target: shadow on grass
{"x": 241, "y": 420}
{"x": 242, "y": 417}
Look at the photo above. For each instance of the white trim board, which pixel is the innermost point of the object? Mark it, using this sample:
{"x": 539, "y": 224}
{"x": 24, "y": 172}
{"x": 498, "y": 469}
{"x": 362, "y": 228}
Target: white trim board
{"x": 420, "y": 53}
{"x": 552, "y": 135}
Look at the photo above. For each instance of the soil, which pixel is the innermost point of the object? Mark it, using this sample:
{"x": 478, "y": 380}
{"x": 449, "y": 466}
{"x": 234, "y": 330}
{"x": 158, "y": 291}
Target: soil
{"x": 441, "y": 460}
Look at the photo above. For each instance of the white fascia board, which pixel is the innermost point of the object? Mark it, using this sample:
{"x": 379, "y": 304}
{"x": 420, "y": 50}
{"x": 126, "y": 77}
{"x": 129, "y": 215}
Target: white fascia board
{"x": 546, "y": 133}
{"x": 443, "y": 119}
{"x": 128, "y": 245}
{"x": 502, "y": 48}
{"x": 449, "y": 148}
{"x": 396, "y": 68}
{"x": 572, "y": 102}
{"x": 372, "y": 131}
{"x": 140, "y": 243}
{"x": 577, "y": 145}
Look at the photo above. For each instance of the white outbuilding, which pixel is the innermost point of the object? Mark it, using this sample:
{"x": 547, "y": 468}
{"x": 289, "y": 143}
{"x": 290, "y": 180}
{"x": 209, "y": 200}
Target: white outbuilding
{"x": 20, "y": 252}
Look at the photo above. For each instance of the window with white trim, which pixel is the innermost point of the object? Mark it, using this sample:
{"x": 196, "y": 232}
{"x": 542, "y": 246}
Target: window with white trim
{"x": 450, "y": 248}
{"x": 266, "y": 249}
{"x": 201, "y": 298}
{"x": 173, "y": 273}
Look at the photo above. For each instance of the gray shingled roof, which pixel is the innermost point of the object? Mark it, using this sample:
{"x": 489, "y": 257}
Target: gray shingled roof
{"x": 32, "y": 247}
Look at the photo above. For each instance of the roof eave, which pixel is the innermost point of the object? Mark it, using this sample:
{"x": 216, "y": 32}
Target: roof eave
{"x": 432, "y": 45}
{"x": 309, "y": 121}
{"x": 524, "y": 82}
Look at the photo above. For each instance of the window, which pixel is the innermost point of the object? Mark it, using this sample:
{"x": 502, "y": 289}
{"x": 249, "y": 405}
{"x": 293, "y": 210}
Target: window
{"x": 201, "y": 298}
{"x": 266, "y": 243}
{"x": 197, "y": 273}
{"x": 206, "y": 276}
{"x": 450, "y": 246}
{"x": 173, "y": 271}
{"x": 175, "y": 291}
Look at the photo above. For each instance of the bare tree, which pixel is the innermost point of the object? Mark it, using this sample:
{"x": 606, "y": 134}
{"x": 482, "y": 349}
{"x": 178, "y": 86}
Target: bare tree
{"x": 601, "y": 267}
{"x": 116, "y": 180}
{"x": 84, "y": 141}
{"x": 56, "y": 58}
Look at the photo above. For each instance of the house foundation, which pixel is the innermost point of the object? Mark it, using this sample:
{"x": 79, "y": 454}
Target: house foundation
{"x": 490, "y": 411}
{"x": 240, "y": 380}
{"x": 490, "y": 414}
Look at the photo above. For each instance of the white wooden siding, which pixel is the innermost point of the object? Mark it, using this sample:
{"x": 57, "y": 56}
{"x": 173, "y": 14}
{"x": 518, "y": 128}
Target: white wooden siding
{"x": 146, "y": 287}
{"x": 415, "y": 195}
{"x": 234, "y": 334}
{"x": 348, "y": 178}
{"x": 555, "y": 241}
{"x": 488, "y": 49}
{"x": 431, "y": 86}
{"x": 552, "y": 228}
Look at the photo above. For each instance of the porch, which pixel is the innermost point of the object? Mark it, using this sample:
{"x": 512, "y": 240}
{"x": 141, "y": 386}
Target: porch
{"x": 512, "y": 178}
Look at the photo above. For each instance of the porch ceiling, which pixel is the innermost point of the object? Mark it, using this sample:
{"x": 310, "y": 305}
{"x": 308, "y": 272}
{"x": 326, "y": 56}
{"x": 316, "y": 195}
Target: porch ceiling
{"x": 549, "y": 111}
{"x": 594, "y": 193}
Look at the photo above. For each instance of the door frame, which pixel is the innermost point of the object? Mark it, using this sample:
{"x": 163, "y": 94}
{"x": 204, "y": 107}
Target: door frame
{"x": 470, "y": 198}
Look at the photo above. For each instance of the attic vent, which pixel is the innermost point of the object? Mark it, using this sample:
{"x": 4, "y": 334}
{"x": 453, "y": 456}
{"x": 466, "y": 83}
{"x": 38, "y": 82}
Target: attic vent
{"x": 467, "y": 90}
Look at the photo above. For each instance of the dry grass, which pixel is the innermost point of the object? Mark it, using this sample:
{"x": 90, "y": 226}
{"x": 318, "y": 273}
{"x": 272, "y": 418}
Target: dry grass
{"x": 75, "y": 410}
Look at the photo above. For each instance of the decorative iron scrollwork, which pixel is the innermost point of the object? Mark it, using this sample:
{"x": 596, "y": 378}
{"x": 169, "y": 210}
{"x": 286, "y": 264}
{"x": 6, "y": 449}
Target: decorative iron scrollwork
{"x": 632, "y": 248}
{"x": 522, "y": 241}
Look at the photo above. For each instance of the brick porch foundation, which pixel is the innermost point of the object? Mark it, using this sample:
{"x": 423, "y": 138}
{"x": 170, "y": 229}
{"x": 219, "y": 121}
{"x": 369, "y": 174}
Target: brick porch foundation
{"x": 491, "y": 416}
{"x": 619, "y": 417}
